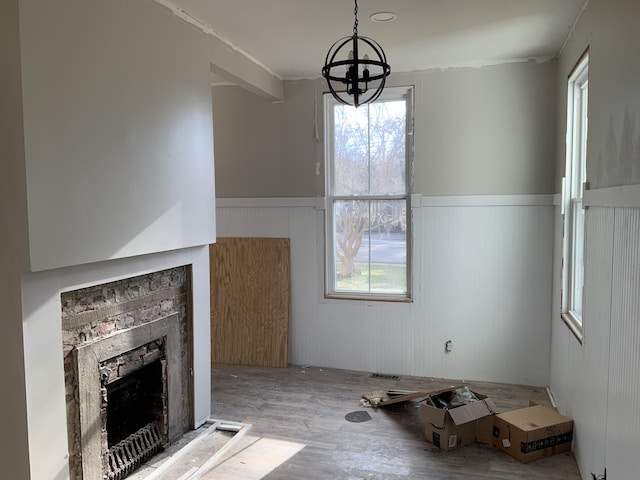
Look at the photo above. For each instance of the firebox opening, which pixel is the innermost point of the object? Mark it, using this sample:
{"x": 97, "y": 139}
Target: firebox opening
{"x": 134, "y": 402}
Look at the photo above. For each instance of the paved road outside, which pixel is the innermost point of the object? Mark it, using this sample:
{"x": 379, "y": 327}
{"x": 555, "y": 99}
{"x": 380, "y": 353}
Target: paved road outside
{"x": 384, "y": 248}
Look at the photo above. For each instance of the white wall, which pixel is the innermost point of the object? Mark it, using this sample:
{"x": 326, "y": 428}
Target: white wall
{"x": 579, "y": 374}
{"x": 623, "y": 415}
{"x": 118, "y": 131}
{"x": 481, "y": 270}
{"x": 107, "y": 172}
{"x": 483, "y": 164}
{"x": 593, "y": 381}
{"x": 44, "y": 370}
{"x": 596, "y": 382}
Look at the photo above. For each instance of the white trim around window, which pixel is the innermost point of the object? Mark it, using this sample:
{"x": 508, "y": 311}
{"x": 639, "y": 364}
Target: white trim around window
{"x": 368, "y": 155}
{"x": 572, "y": 200}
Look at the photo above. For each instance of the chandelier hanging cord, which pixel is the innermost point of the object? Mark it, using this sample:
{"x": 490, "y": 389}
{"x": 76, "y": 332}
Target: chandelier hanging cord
{"x": 355, "y": 16}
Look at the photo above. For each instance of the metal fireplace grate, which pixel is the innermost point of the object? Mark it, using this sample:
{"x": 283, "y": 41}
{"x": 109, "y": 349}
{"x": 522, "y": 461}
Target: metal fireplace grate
{"x": 127, "y": 455}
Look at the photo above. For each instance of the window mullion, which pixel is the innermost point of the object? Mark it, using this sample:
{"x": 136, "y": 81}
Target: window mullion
{"x": 369, "y": 197}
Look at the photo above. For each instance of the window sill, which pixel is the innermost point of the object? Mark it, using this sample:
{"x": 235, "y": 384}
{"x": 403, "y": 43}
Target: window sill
{"x": 368, "y": 298}
{"x": 574, "y": 326}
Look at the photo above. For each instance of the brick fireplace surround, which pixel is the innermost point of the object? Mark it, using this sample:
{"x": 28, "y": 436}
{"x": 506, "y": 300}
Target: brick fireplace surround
{"x": 58, "y": 320}
{"x": 110, "y": 331}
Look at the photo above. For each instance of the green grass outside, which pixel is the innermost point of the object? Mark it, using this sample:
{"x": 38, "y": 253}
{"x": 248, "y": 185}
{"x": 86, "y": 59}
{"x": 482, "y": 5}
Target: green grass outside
{"x": 384, "y": 278}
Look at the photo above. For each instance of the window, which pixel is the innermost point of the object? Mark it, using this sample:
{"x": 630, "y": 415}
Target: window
{"x": 573, "y": 188}
{"x": 368, "y": 214}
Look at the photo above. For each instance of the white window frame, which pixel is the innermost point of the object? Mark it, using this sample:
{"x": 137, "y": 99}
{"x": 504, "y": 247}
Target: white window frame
{"x": 572, "y": 199}
{"x": 389, "y": 93}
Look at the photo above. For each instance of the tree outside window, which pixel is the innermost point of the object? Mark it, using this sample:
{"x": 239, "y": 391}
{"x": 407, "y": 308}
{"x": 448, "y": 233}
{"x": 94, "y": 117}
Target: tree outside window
{"x": 368, "y": 195}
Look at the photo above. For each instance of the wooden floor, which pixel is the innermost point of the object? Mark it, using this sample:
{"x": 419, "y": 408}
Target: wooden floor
{"x": 307, "y": 407}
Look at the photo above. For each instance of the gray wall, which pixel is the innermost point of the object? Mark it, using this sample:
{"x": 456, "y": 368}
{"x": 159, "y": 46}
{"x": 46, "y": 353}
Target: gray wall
{"x": 483, "y": 131}
{"x": 609, "y": 30}
{"x": 266, "y": 149}
{"x": 14, "y": 254}
{"x": 478, "y": 131}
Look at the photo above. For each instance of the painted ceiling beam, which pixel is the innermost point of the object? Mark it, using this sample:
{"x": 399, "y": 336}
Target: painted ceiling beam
{"x": 243, "y": 71}
{"x": 231, "y": 63}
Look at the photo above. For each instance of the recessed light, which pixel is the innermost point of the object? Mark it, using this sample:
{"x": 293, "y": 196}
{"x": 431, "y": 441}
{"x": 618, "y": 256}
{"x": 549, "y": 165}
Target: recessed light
{"x": 383, "y": 17}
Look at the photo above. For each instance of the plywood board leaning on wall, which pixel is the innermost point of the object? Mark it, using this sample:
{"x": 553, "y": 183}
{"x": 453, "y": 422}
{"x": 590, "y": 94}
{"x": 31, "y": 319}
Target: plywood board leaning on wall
{"x": 250, "y": 301}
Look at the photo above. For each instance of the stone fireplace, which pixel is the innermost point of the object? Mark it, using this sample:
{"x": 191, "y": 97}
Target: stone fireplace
{"x": 127, "y": 350}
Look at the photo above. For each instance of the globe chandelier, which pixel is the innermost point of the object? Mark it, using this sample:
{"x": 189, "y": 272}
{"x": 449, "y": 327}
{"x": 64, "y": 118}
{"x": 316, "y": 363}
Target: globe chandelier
{"x": 356, "y": 68}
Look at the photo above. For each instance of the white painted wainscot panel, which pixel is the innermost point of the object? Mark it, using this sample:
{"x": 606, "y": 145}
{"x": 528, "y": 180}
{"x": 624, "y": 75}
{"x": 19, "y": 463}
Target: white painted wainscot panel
{"x": 597, "y": 382}
{"x": 623, "y": 413}
{"x": 482, "y": 279}
{"x": 589, "y": 362}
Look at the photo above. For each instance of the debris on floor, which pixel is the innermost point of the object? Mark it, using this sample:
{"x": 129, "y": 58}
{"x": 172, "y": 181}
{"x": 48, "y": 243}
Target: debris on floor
{"x": 456, "y": 416}
{"x": 381, "y": 398}
{"x": 532, "y": 433}
{"x": 374, "y": 398}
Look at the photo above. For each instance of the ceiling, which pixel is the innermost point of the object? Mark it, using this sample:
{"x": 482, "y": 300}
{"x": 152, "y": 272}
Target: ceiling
{"x": 290, "y": 38}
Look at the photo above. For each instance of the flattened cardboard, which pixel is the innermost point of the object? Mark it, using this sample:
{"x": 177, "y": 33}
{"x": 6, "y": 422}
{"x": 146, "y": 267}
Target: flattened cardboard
{"x": 532, "y": 433}
{"x": 394, "y": 396}
{"x": 456, "y": 427}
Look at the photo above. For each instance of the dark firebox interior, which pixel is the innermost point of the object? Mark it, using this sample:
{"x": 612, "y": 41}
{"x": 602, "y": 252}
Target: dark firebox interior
{"x": 134, "y": 402}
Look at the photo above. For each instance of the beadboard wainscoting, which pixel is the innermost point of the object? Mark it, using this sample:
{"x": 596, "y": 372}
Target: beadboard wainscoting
{"x": 595, "y": 381}
{"x": 482, "y": 270}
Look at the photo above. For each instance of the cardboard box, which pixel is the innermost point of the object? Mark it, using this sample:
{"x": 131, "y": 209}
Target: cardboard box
{"x": 532, "y": 433}
{"x": 450, "y": 428}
